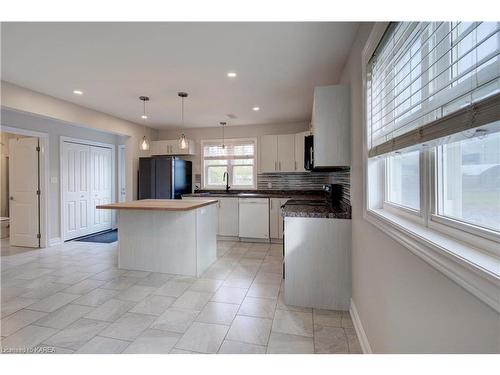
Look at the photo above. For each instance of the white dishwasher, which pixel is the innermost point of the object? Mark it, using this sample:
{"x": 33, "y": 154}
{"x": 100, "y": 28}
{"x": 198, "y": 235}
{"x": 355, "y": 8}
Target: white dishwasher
{"x": 254, "y": 218}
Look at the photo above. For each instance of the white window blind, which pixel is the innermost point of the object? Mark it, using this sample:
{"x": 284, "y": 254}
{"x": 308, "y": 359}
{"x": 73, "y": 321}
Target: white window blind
{"x": 425, "y": 71}
{"x": 235, "y": 161}
{"x": 231, "y": 149}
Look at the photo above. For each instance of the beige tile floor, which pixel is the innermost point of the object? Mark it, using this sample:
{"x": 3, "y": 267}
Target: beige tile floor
{"x": 73, "y": 298}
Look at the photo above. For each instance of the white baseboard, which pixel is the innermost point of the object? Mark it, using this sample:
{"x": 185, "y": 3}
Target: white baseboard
{"x": 55, "y": 241}
{"x": 363, "y": 339}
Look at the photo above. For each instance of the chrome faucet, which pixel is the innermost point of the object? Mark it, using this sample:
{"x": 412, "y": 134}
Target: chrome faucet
{"x": 226, "y": 178}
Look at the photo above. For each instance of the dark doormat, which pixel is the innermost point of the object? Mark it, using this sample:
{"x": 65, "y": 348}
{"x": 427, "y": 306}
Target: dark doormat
{"x": 102, "y": 237}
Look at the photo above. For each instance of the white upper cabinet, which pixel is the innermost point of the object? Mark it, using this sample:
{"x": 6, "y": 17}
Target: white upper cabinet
{"x": 268, "y": 153}
{"x": 172, "y": 147}
{"x": 286, "y": 153}
{"x": 331, "y": 126}
{"x": 299, "y": 151}
{"x": 277, "y": 153}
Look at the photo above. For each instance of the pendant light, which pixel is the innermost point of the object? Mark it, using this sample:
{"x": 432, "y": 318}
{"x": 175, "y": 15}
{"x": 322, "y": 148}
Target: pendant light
{"x": 145, "y": 142}
{"x": 223, "y": 124}
{"x": 182, "y": 141}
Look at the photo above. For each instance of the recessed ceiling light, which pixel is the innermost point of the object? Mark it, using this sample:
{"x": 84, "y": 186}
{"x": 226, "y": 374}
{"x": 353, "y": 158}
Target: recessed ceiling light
{"x": 231, "y": 74}
{"x": 256, "y": 109}
{"x": 144, "y": 117}
{"x": 78, "y": 92}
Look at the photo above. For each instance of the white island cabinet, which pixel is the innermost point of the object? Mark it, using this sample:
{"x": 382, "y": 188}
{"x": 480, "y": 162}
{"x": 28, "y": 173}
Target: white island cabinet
{"x": 317, "y": 262}
{"x": 166, "y": 235}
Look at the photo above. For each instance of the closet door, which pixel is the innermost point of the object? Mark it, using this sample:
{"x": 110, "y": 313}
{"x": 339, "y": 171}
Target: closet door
{"x": 75, "y": 190}
{"x": 100, "y": 177}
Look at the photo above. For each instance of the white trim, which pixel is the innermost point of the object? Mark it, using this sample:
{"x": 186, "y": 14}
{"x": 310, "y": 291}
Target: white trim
{"x": 119, "y": 173}
{"x": 360, "y": 332}
{"x": 476, "y": 271}
{"x": 44, "y": 178}
{"x": 63, "y": 139}
{"x": 55, "y": 241}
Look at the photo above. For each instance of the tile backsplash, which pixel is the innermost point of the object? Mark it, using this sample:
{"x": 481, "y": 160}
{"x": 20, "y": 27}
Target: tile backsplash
{"x": 304, "y": 181}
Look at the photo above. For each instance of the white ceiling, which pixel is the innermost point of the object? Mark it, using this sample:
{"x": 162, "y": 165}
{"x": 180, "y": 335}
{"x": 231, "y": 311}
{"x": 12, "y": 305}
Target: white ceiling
{"x": 278, "y": 65}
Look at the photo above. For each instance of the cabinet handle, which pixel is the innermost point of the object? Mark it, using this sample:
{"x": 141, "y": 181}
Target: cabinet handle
{"x": 271, "y": 203}
{"x": 279, "y": 165}
{"x": 275, "y": 165}
{"x": 295, "y": 164}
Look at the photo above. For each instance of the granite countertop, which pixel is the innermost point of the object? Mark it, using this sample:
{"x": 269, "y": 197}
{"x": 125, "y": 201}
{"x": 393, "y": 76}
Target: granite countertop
{"x": 316, "y": 209}
{"x": 294, "y": 194}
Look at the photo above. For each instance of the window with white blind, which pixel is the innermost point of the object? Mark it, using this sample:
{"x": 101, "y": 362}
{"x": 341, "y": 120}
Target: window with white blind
{"x": 424, "y": 71}
{"x": 236, "y": 159}
{"x": 433, "y": 125}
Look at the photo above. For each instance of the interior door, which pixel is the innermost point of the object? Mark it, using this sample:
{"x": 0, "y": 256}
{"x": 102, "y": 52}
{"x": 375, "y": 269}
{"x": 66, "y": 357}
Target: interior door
{"x": 101, "y": 186}
{"x": 121, "y": 174}
{"x": 75, "y": 190}
{"x": 23, "y": 187}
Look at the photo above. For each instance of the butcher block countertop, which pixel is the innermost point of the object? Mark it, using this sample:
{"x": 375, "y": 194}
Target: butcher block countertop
{"x": 159, "y": 205}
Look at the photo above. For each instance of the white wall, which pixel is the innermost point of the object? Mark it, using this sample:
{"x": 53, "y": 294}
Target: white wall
{"x": 240, "y": 131}
{"x": 405, "y": 305}
{"x": 23, "y": 108}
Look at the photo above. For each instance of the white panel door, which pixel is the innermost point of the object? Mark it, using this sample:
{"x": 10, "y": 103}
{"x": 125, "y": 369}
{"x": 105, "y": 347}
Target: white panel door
{"x": 101, "y": 185}
{"x": 75, "y": 190}
{"x": 23, "y": 186}
{"x": 286, "y": 153}
{"x": 268, "y": 153}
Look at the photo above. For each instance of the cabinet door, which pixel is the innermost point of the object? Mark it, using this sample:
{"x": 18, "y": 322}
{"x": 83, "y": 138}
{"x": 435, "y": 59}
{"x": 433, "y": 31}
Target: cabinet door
{"x": 286, "y": 153}
{"x": 268, "y": 153}
{"x": 228, "y": 217}
{"x": 274, "y": 217}
{"x": 331, "y": 126}
{"x": 280, "y": 219}
{"x": 299, "y": 151}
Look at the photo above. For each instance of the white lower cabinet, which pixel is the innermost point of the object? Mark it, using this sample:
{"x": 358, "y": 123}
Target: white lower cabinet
{"x": 275, "y": 218}
{"x": 254, "y": 218}
{"x": 317, "y": 263}
{"x": 228, "y": 217}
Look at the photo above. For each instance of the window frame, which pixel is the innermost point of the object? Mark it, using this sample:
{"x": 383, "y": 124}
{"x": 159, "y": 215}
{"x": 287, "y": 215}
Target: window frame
{"x": 428, "y": 216}
{"x": 444, "y": 247}
{"x": 230, "y": 166}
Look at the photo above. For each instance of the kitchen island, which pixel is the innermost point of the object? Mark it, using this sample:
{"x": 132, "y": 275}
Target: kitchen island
{"x": 166, "y": 235}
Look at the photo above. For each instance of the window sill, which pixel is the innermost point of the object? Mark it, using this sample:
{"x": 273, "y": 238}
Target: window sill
{"x": 476, "y": 271}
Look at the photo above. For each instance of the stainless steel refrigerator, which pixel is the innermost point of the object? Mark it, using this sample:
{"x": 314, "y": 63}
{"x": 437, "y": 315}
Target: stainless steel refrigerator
{"x": 164, "y": 177}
